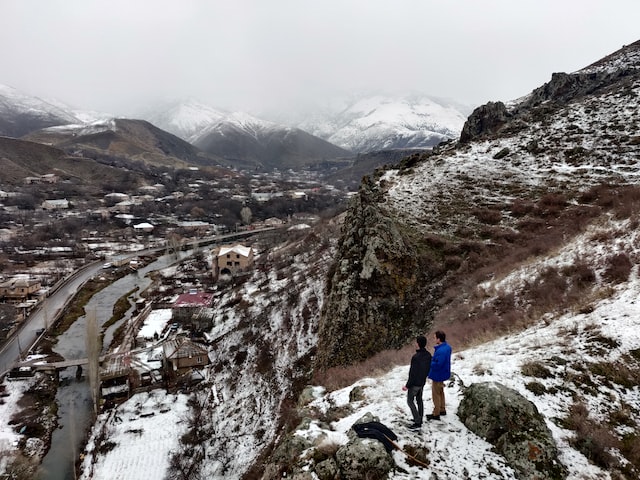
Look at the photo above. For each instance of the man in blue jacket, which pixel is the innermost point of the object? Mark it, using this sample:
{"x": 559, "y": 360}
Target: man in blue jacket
{"x": 418, "y": 371}
{"x": 439, "y": 372}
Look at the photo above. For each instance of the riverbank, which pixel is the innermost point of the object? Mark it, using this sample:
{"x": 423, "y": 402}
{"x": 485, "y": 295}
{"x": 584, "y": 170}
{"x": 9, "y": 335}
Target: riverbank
{"x": 29, "y": 412}
{"x": 28, "y": 416}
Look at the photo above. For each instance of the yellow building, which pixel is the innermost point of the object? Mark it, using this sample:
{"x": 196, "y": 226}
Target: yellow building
{"x": 232, "y": 259}
{"x": 19, "y": 289}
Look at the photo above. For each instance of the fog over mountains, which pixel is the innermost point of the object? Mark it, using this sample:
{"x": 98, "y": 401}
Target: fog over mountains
{"x": 358, "y": 125}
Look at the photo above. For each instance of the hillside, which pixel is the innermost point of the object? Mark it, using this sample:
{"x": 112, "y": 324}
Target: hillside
{"x": 535, "y": 174}
{"x": 521, "y": 243}
{"x": 250, "y": 143}
{"x": 125, "y": 140}
{"x": 21, "y": 114}
{"x": 20, "y": 159}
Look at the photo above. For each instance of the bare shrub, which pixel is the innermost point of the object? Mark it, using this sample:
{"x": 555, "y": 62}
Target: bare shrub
{"x": 488, "y": 215}
{"x": 547, "y": 290}
{"x": 593, "y": 439}
{"x": 630, "y": 448}
{"x": 536, "y": 388}
{"x": 620, "y": 373}
{"x": 580, "y": 272}
{"x": 618, "y": 268}
{"x": 520, "y": 208}
{"x": 531, "y": 225}
{"x": 536, "y": 369}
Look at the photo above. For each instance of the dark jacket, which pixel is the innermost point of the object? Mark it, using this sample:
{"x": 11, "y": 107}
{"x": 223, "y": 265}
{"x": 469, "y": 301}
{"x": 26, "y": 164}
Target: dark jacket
{"x": 441, "y": 363}
{"x": 376, "y": 430}
{"x": 419, "y": 369}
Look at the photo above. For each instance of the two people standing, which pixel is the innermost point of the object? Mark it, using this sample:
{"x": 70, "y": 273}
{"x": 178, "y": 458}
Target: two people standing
{"x": 423, "y": 366}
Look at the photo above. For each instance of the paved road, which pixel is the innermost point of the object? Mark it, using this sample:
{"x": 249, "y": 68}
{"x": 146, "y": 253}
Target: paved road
{"x": 43, "y": 316}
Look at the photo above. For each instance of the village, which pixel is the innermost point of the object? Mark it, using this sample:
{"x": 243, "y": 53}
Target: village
{"x": 165, "y": 341}
{"x": 50, "y": 226}
{"x": 50, "y": 234}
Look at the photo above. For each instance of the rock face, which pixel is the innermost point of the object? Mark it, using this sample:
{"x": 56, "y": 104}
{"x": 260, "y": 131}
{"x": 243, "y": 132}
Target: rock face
{"x": 486, "y": 119}
{"x": 381, "y": 288}
{"x": 563, "y": 88}
{"x": 513, "y": 424}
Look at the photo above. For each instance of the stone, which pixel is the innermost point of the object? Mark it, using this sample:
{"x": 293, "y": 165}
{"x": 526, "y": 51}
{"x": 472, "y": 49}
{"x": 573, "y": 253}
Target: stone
{"x": 327, "y": 469}
{"x": 363, "y": 455}
{"x": 485, "y": 120}
{"x": 511, "y": 423}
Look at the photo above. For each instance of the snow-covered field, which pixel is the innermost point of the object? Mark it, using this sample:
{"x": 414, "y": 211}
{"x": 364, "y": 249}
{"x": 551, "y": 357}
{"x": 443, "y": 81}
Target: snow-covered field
{"x": 142, "y": 433}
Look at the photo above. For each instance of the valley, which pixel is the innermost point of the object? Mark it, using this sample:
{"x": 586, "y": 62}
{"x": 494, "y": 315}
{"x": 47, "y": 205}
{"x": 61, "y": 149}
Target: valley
{"x": 253, "y": 357}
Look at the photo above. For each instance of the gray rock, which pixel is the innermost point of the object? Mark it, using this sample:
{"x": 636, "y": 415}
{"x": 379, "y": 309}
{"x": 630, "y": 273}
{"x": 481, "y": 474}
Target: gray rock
{"x": 363, "y": 455}
{"x": 288, "y": 451}
{"x": 306, "y": 397}
{"x": 485, "y": 120}
{"x": 514, "y": 426}
{"x": 356, "y": 394}
{"x": 327, "y": 469}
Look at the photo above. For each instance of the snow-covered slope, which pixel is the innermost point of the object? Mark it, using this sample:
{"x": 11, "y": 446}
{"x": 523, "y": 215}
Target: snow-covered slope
{"x": 240, "y": 122}
{"x": 383, "y": 122}
{"x": 185, "y": 119}
{"x": 21, "y": 113}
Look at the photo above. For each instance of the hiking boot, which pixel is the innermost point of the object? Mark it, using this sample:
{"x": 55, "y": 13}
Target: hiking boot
{"x": 415, "y": 426}
{"x": 433, "y": 417}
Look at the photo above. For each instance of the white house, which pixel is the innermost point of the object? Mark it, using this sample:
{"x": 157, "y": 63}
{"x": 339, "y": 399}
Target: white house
{"x": 61, "y": 204}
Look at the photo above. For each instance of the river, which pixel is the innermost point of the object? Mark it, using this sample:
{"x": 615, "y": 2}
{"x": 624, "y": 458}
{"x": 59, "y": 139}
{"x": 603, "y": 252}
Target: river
{"x": 75, "y": 410}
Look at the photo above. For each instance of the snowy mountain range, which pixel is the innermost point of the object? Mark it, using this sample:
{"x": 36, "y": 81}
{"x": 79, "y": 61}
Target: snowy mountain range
{"x": 342, "y": 127}
{"x": 358, "y": 124}
{"x": 382, "y": 122}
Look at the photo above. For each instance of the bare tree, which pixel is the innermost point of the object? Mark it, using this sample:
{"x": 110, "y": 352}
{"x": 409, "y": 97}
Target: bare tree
{"x": 246, "y": 214}
{"x": 174, "y": 243}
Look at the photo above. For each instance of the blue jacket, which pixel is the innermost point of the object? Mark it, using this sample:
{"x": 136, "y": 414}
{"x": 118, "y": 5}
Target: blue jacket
{"x": 440, "y": 363}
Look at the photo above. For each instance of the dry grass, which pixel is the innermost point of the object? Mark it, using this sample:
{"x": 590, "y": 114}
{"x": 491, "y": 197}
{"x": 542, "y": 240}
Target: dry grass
{"x": 339, "y": 377}
{"x": 592, "y": 437}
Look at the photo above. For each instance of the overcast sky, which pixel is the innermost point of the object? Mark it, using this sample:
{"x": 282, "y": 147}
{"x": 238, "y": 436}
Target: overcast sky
{"x": 117, "y": 55}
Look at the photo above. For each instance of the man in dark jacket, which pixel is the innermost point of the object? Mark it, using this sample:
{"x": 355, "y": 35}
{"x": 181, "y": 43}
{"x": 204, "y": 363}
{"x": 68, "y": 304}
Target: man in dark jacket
{"x": 418, "y": 372}
{"x": 439, "y": 372}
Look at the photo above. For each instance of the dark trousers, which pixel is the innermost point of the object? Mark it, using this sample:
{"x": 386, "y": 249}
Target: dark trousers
{"x": 414, "y": 400}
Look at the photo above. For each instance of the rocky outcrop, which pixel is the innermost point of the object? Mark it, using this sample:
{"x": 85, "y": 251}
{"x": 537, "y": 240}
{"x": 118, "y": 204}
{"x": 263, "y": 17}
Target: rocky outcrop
{"x": 514, "y": 426}
{"x": 563, "y": 88}
{"x": 381, "y": 288}
{"x": 485, "y": 120}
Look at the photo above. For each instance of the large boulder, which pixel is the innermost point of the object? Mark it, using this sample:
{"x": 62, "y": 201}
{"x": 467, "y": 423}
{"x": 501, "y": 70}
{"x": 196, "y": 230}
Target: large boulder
{"x": 514, "y": 426}
{"x": 362, "y": 455}
{"x": 382, "y": 287}
{"x": 485, "y": 120}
